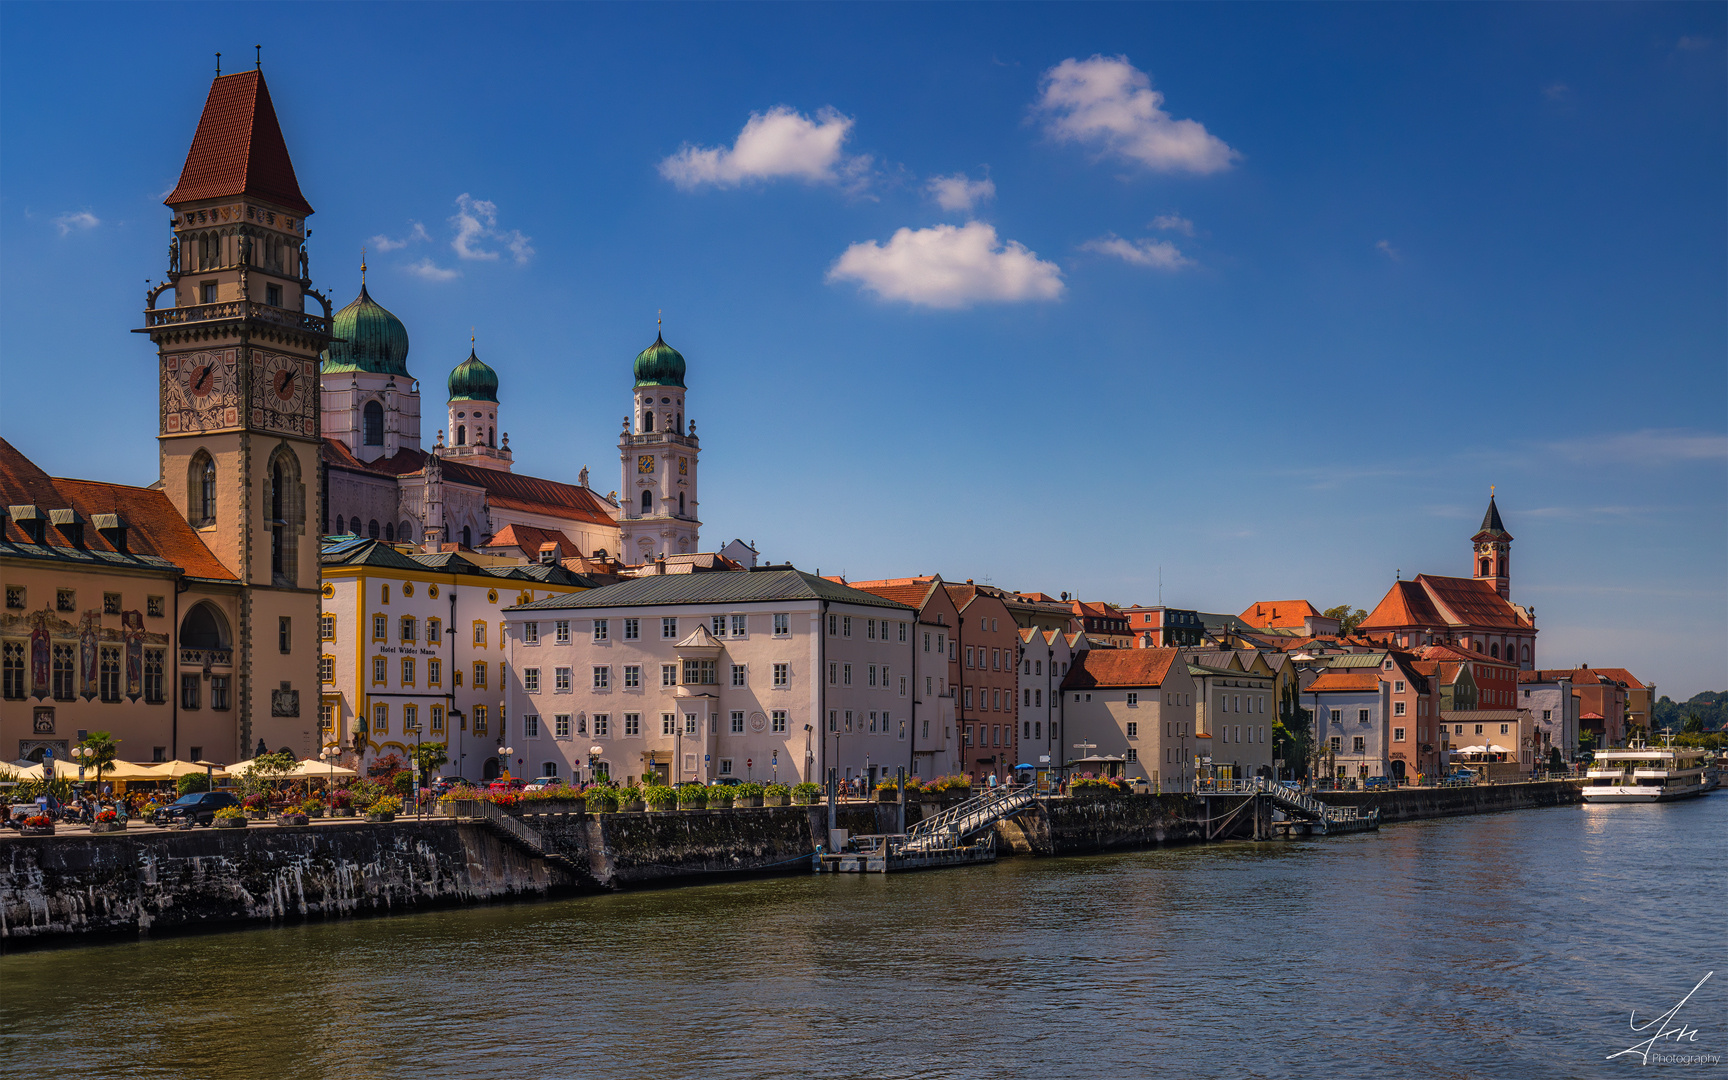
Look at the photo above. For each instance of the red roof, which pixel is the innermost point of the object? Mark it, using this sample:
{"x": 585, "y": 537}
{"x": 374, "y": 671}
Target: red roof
{"x": 908, "y": 591}
{"x": 532, "y": 540}
{"x": 239, "y": 149}
{"x": 1430, "y": 601}
{"x": 1282, "y": 613}
{"x": 402, "y": 463}
{"x": 1119, "y": 667}
{"x": 153, "y": 526}
{"x": 1356, "y": 681}
{"x": 512, "y": 491}
{"x": 1405, "y": 604}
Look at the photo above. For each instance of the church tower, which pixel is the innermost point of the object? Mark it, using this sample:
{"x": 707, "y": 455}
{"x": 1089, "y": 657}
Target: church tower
{"x": 475, "y": 437}
{"x": 657, "y": 512}
{"x": 239, "y": 432}
{"x": 1493, "y": 551}
{"x": 368, "y": 401}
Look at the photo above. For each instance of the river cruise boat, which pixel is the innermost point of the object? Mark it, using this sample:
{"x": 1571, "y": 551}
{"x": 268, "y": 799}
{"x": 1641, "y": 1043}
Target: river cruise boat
{"x": 1643, "y": 773}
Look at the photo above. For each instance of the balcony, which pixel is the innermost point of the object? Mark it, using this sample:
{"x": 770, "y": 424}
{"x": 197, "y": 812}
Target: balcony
{"x": 233, "y": 310}
{"x": 199, "y": 658}
{"x": 659, "y": 438}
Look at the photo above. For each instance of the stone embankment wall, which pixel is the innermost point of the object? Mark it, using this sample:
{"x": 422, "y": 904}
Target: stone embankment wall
{"x": 1411, "y": 804}
{"x": 1116, "y": 823}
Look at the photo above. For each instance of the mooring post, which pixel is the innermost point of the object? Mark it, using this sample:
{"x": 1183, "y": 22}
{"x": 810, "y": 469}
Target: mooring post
{"x": 832, "y": 822}
{"x": 900, "y": 780}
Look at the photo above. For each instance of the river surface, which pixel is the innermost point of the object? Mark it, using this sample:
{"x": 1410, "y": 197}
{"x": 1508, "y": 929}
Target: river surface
{"x": 1503, "y": 945}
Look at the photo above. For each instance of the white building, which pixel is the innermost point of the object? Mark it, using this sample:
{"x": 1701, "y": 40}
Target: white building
{"x": 1350, "y": 720}
{"x": 1045, "y": 656}
{"x": 1554, "y": 713}
{"x": 764, "y": 674}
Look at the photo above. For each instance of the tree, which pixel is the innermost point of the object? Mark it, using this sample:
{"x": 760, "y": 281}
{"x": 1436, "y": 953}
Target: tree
{"x": 1292, "y": 732}
{"x": 263, "y": 771}
{"x": 430, "y": 757}
{"x": 1348, "y": 620}
{"x": 1694, "y": 724}
{"x": 192, "y": 781}
{"x": 103, "y": 749}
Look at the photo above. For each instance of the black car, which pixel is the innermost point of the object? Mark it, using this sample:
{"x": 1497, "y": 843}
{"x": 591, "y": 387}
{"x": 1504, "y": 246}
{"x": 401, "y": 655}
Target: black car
{"x": 199, "y": 808}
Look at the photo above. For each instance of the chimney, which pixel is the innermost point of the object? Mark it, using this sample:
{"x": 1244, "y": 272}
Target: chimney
{"x": 113, "y": 529}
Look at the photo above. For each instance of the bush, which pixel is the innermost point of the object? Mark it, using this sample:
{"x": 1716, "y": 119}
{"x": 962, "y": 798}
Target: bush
{"x": 747, "y": 790}
{"x": 659, "y": 795}
{"x": 341, "y": 799}
{"x": 38, "y": 821}
{"x": 256, "y": 801}
{"x": 944, "y": 784}
{"x": 386, "y": 804}
{"x": 106, "y": 816}
{"x": 402, "y": 783}
{"x": 191, "y": 782}
{"x": 693, "y": 795}
{"x": 1089, "y": 785}
{"x": 719, "y": 795}
{"x": 629, "y": 794}
{"x": 601, "y": 800}
{"x": 229, "y": 813}
{"x": 776, "y": 789}
{"x": 806, "y": 793}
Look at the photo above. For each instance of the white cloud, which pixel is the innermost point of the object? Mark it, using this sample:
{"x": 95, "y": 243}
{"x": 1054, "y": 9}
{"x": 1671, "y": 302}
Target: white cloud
{"x": 382, "y": 243}
{"x": 1173, "y": 223}
{"x": 1385, "y": 248}
{"x": 1557, "y": 91}
{"x": 780, "y": 143}
{"x": 1158, "y": 254}
{"x": 431, "y": 271}
{"x": 1109, "y": 103}
{"x": 476, "y": 223}
{"x": 949, "y": 266}
{"x": 1649, "y": 447}
{"x": 76, "y": 220}
{"x": 960, "y": 194}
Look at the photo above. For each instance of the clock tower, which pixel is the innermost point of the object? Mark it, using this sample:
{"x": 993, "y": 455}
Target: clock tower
{"x": 239, "y": 405}
{"x": 657, "y": 511}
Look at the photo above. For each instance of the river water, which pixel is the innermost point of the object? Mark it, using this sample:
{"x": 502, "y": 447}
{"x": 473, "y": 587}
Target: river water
{"x": 1505, "y": 945}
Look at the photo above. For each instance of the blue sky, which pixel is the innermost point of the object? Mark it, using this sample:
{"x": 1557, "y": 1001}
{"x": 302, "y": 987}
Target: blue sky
{"x": 1263, "y": 296}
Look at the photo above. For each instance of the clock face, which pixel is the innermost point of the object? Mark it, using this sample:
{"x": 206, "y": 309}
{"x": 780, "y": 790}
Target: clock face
{"x": 200, "y": 391}
{"x": 645, "y": 463}
{"x": 282, "y": 392}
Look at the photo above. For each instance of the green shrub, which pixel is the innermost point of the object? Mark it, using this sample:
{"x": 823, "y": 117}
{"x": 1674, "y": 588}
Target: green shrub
{"x": 776, "y": 789}
{"x": 806, "y": 793}
{"x": 402, "y": 783}
{"x": 720, "y": 795}
{"x": 629, "y": 794}
{"x": 659, "y": 795}
{"x": 746, "y": 790}
{"x": 601, "y": 800}
{"x": 385, "y": 804}
{"x": 191, "y": 782}
{"x": 693, "y": 795}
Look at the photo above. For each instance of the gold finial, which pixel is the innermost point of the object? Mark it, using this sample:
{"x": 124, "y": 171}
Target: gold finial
{"x": 659, "y": 318}
{"x": 1490, "y": 491}
{"x": 470, "y": 339}
{"x": 362, "y": 265}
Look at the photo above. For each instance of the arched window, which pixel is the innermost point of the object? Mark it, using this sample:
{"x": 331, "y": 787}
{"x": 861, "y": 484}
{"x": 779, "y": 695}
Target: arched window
{"x": 680, "y": 504}
{"x": 1526, "y": 654}
{"x": 1485, "y": 565}
{"x": 354, "y": 526}
{"x": 285, "y": 505}
{"x": 389, "y": 531}
{"x": 647, "y": 500}
{"x": 405, "y": 533}
{"x": 1494, "y": 650}
{"x": 491, "y": 440}
{"x": 204, "y": 628}
{"x": 201, "y": 491}
{"x": 648, "y": 421}
{"x": 461, "y": 434}
{"x": 467, "y": 537}
{"x": 680, "y": 428}
{"x": 372, "y": 424}
{"x": 372, "y": 528}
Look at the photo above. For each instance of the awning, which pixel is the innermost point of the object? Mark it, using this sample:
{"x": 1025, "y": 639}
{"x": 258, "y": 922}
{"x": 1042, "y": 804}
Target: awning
{"x": 174, "y": 770}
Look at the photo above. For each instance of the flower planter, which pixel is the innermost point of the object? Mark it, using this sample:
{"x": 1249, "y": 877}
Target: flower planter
{"x": 230, "y": 823}
{"x": 748, "y": 800}
{"x": 663, "y": 807}
{"x": 632, "y": 807}
{"x": 36, "y": 830}
{"x": 346, "y": 811}
{"x": 293, "y": 819}
{"x": 889, "y": 796}
{"x": 703, "y": 805}
{"x": 720, "y": 804}
{"x": 380, "y": 817}
{"x": 775, "y": 800}
{"x": 804, "y": 800}
{"x": 108, "y": 826}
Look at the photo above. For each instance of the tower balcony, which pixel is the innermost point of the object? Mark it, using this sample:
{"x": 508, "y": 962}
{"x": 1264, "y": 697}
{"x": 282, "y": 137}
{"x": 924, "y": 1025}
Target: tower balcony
{"x": 235, "y": 311}
{"x": 659, "y": 438}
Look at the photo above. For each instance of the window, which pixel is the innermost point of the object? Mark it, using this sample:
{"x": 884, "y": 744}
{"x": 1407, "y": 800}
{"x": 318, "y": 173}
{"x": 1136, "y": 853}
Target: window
{"x": 384, "y": 592}
{"x": 845, "y": 674}
{"x": 1133, "y": 754}
{"x": 845, "y": 626}
{"x": 870, "y": 676}
{"x": 479, "y": 675}
{"x": 432, "y": 631}
{"x": 531, "y": 680}
{"x": 668, "y": 723}
{"x": 380, "y": 719}
{"x": 701, "y": 672}
{"x": 1398, "y": 686}
{"x": 1503, "y": 729}
{"x": 326, "y": 669}
{"x": 66, "y": 599}
{"x": 561, "y": 726}
{"x": 409, "y": 628}
{"x": 530, "y": 633}
{"x": 380, "y": 669}
{"x": 479, "y": 719}
{"x": 782, "y": 674}
{"x": 15, "y": 599}
{"x": 740, "y": 624}
{"x": 530, "y": 725}
{"x": 1133, "y": 699}
{"x": 848, "y": 721}
{"x": 1336, "y": 743}
{"x": 725, "y": 766}
{"x": 602, "y": 725}
{"x": 1358, "y": 745}
{"x": 632, "y": 676}
{"x": 602, "y": 627}
{"x": 902, "y": 686}
{"x": 1478, "y": 729}
{"x": 407, "y": 671}
{"x": 833, "y": 720}
{"x": 108, "y": 673}
{"x": 632, "y": 629}
{"x": 738, "y": 674}
{"x": 380, "y": 627}
{"x": 438, "y": 718}
{"x": 1362, "y": 716}
{"x": 902, "y": 633}
{"x": 110, "y": 603}
{"x": 273, "y": 295}
{"x": 1397, "y": 708}
{"x": 410, "y": 718}
{"x": 1547, "y": 714}
{"x": 480, "y": 634}
{"x": 219, "y": 692}
{"x": 833, "y": 673}
{"x": 782, "y": 624}
{"x": 969, "y": 656}
{"x": 737, "y": 722}
{"x": 779, "y": 725}
{"x": 969, "y": 697}
{"x": 602, "y": 677}
{"x": 632, "y": 723}
{"x": 1133, "y": 729}
{"x": 689, "y": 723}
{"x": 326, "y": 721}
{"x": 870, "y": 630}
{"x": 668, "y": 674}
{"x": 669, "y": 628}
{"x": 326, "y": 628}
{"x": 434, "y": 672}
{"x": 154, "y": 660}
{"x": 1397, "y": 734}
{"x": 372, "y": 424}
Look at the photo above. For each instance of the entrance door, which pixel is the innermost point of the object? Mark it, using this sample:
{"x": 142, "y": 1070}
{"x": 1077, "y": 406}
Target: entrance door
{"x": 489, "y": 771}
{"x": 662, "y": 772}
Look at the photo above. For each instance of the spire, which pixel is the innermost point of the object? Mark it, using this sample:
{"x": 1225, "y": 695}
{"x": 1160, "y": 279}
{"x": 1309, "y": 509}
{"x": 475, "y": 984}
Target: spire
{"x": 239, "y": 149}
{"x": 1491, "y": 523}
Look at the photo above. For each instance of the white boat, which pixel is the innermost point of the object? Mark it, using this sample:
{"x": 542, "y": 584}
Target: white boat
{"x": 1643, "y": 773}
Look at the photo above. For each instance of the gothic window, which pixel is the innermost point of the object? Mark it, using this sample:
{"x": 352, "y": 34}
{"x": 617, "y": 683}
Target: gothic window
{"x": 461, "y": 434}
{"x": 389, "y": 531}
{"x": 405, "y": 532}
{"x": 467, "y": 537}
{"x": 648, "y": 421}
{"x": 284, "y": 501}
{"x": 647, "y": 500}
{"x": 354, "y": 526}
{"x": 1494, "y": 650}
{"x": 372, "y": 424}
{"x": 204, "y": 628}
{"x": 201, "y": 498}
{"x": 1526, "y": 654}
{"x": 372, "y": 529}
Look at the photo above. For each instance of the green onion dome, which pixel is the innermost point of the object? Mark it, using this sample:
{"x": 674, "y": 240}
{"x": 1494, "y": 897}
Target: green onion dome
{"x": 473, "y": 381}
{"x": 659, "y": 365}
{"x": 371, "y": 339}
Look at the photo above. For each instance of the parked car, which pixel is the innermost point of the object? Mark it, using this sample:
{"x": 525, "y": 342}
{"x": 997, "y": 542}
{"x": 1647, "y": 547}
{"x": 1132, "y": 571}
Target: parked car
{"x": 728, "y": 781}
{"x": 541, "y": 782}
{"x": 1378, "y": 783}
{"x": 199, "y": 807}
{"x": 504, "y": 785}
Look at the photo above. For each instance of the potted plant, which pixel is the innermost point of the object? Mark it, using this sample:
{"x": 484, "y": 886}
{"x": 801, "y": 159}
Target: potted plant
{"x": 720, "y": 797}
{"x": 776, "y": 795}
{"x": 37, "y": 825}
{"x": 230, "y": 817}
{"x": 257, "y": 805}
{"x": 660, "y": 797}
{"x": 805, "y": 794}
{"x": 630, "y": 800}
{"x": 312, "y": 808}
{"x": 748, "y": 793}
{"x": 292, "y": 815}
{"x": 384, "y": 808}
{"x": 342, "y": 803}
{"x": 107, "y": 821}
{"x": 692, "y": 797}
{"x": 601, "y": 800}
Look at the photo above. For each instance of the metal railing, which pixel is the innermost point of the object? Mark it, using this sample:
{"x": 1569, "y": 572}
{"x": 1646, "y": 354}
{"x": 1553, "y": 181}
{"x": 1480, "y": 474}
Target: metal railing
{"x": 1298, "y": 802}
{"x": 975, "y": 814}
{"x": 235, "y": 309}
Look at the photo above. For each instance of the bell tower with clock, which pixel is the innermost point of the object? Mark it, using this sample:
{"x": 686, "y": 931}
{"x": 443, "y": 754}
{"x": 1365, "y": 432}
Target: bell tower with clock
{"x": 657, "y": 513}
{"x": 239, "y": 406}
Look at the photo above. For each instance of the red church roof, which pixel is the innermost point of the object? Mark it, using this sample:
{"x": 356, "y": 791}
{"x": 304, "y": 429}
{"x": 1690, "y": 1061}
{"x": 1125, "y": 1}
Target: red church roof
{"x": 239, "y": 149}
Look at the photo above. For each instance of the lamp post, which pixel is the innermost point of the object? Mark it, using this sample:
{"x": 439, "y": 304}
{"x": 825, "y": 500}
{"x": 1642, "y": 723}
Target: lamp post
{"x": 594, "y": 753}
{"x": 504, "y": 752}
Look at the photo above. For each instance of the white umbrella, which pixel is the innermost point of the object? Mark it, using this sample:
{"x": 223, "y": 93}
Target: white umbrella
{"x": 312, "y": 768}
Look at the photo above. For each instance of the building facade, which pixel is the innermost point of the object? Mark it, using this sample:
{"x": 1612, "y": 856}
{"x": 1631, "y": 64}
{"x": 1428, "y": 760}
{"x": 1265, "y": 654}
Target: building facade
{"x": 1135, "y": 706}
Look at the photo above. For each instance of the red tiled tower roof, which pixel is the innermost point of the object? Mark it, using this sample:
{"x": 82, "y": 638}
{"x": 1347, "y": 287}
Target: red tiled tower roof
{"x": 239, "y": 149}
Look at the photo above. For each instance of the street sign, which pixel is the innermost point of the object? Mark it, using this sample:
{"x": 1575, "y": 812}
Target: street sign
{"x": 748, "y": 762}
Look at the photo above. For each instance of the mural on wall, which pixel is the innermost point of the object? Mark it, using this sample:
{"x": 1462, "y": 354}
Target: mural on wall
{"x": 90, "y": 626}
{"x": 45, "y": 629}
{"x": 39, "y": 653}
{"x": 132, "y": 628}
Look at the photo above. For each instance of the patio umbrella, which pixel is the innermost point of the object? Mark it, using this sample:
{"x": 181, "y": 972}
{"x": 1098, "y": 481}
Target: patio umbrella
{"x": 126, "y": 770}
{"x": 63, "y": 770}
{"x": 174, "y": 770}
{"x": 313, "y": 769}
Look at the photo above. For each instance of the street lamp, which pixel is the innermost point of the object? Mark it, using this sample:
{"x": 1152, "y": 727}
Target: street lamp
{"x": 505, "y": 752}
{"x": 594, "y": 753}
